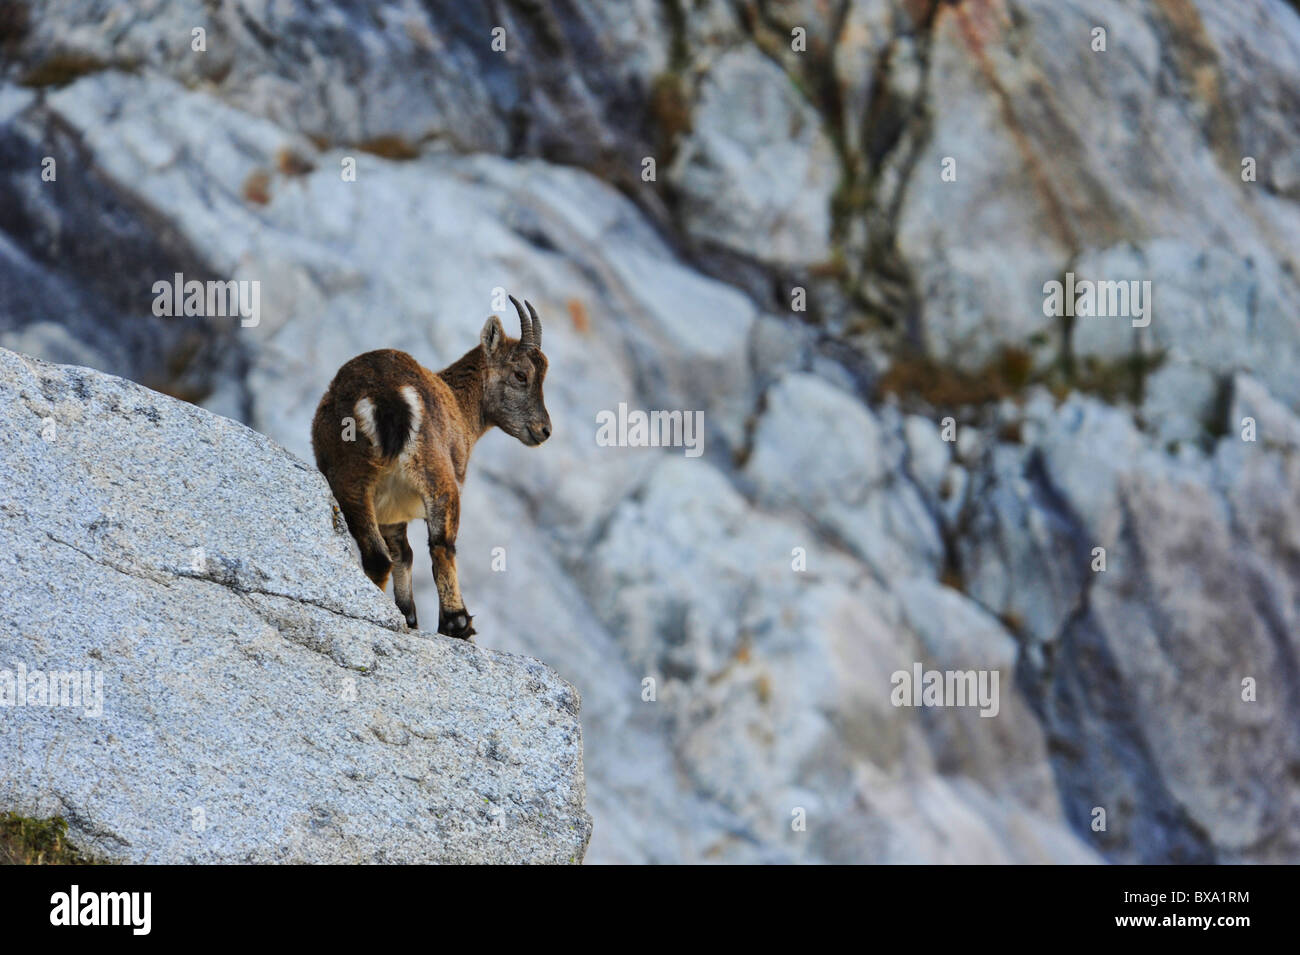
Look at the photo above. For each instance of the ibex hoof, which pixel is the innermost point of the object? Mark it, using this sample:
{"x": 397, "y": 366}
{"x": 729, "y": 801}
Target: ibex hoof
{"x": 411, "y": 622}
{"x": 457, "y": 624}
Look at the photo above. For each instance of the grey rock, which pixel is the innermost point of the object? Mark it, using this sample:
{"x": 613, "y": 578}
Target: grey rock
{"x": 1214, "y": 312}
{"x": 78, "y": 259}
{"x": 1275, "y": 425}
{"x": 393, "y": 76}
{"x": 1181, "y": 403}
{"x": 633, "y": 563}
{"x": 1187, "y": 612}
{"x": 757, "y": 171}
{"x": 858, "y": 493}
{"x": 1154, "y": 649}
{"x": 1023, "y": 555}
{"x": 928, "y": 455}
{"x": 347, "y": 266}
{"x": 1063, "y": 151}
{"x": 783, "y": 704}
{"x": 261, "y": 700}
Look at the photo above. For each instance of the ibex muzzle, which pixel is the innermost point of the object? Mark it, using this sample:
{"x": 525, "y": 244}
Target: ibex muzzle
{"x": 413, "y": 433}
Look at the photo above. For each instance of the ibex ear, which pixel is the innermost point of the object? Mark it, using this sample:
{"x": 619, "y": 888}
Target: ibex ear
{"x": 492, "y": 335}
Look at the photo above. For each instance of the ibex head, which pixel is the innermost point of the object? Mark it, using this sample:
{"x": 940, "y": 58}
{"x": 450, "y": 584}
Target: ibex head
{"x": 512, "y": 379}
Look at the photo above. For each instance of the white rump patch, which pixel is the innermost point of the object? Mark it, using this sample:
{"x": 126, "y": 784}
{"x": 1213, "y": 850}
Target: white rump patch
{"x": 365, "y": 411}
{"x": 417, "y": 413}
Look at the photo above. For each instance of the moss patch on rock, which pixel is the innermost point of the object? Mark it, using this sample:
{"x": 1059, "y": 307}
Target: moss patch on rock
{"x": 26, "y": 841}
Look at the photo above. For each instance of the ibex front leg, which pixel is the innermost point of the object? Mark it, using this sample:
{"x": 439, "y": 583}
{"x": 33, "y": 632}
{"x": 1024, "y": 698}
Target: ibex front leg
{"x": 442, "y": 513}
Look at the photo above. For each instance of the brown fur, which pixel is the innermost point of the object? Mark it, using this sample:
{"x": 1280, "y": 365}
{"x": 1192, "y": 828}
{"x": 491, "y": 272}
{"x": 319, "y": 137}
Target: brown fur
{"x": 412, "y": 431}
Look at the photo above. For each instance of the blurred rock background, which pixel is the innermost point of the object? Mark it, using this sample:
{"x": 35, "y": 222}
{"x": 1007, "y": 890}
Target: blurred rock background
{"x": 785, "y": 172}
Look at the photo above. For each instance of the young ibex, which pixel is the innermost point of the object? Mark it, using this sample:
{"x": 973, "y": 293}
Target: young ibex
{"x": 417, "y": 431}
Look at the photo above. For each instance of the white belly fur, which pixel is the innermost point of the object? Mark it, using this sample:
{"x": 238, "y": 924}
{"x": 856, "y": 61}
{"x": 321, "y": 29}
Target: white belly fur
{"x": 396, "y": 499}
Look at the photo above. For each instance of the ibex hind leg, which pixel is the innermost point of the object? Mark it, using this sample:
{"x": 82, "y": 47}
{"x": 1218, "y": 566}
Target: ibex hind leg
{"x": 443, "y": 518}
{"x": 359, "y": 512}
{"x": 403, "y": 559}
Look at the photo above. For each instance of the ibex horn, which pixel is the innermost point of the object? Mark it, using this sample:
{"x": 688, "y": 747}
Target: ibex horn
{"x": 537, "y": 324}
{"x": 525, "y": 325}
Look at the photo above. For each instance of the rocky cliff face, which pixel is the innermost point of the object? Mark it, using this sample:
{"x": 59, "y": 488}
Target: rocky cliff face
{"x": 193, "y": 668}
{"x": 816, "y": 177}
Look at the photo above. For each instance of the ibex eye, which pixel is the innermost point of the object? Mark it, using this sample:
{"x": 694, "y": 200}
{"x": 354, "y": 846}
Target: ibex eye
{"x": 521, "y": 378}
